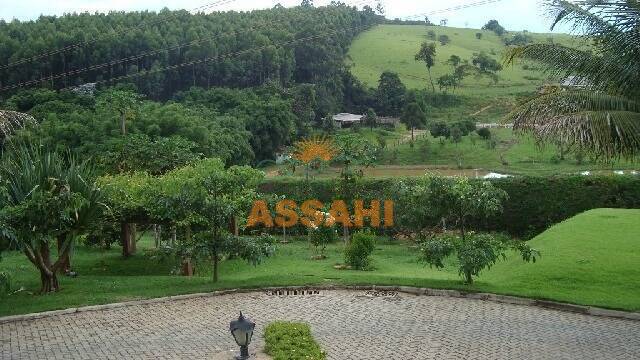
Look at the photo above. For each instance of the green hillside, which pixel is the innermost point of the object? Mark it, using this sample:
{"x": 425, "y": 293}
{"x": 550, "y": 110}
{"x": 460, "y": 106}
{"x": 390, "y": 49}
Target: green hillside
{"x": 393, "y": 47}
{"x": 590, "y": 259}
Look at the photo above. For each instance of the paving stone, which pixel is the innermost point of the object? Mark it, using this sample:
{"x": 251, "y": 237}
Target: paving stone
{"x": 347, "y": 324}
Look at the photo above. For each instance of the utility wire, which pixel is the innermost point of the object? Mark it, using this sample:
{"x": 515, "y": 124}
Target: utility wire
{"x": 128, "y": 58}
{"x": 156, "y": 21}
{"x": 453, "y": 8}
{"x": 233, "y": 54}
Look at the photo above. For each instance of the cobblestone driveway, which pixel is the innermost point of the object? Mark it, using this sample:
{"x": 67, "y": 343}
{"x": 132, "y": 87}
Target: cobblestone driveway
{"x": 348, "y": 324}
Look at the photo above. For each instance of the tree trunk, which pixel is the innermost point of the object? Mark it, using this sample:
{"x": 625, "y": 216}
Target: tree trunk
{"x": 468, "y": 277}
{"x": 134, "y": 235}
{"x": 125, "y": 238}
{"x": 431, "y": 80}
{"x": 48, "y": 278}
{"x": 123, "y": 123}
{"x": 412, "y": 139}
{"x": 156, "y": 236}
{"x": 49, "y": 282}
{"x": 215, "y": 266}
{"x": 65, "y": 263}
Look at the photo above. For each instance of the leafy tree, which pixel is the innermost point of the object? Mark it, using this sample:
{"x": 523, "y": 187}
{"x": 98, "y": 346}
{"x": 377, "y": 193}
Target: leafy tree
{"x": 371, "y": 119}
{"x": 475, "y": 253}
{"x": 484, "y": 133}
{"x": 304, "y": 106}
{"x": 454, "y": 61}
{"x": 456, "y": 134}
{"x": 440, "y": 128}
{"x": 49, "y": 200}
{"x": 427, "y": 54}
{"x": 485, "y": 62}
{"x": 307, "y": 3}
{"x": 494, "y": 26}
{"x": 390, "y": 94}
{"x": 448, "y": 81}
{"x": 428, "y": 22}
{"x": 603, "y": 119}
{"x": 519, "y": 39}
{"x": 140, "y": 153}
{"x": 123, "y": 102}
{"x": 413, "y": 117}
{"x": 329, "y": 125}
{"x": 444, "y": 39}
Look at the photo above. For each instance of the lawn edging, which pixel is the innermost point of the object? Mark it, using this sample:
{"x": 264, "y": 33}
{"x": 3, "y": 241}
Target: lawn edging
{"x": 294, "y": 290}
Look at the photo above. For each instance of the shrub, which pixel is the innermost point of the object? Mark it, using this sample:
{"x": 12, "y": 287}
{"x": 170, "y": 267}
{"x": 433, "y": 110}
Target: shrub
{"x": 357, "y": 253}
{"x": 474, "y": 252}
{"x": 444, "y": 39}
{"x": 291, "y": 341}
{"x": 484, "y": 133}
{"x": 439, "y": 128}
{"x": 431, "y": 35}
{"x": 526, "y": 212}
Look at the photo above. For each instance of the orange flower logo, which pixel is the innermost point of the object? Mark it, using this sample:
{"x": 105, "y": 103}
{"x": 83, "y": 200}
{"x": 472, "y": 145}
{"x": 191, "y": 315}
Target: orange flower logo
{"x": 316, "y": 148}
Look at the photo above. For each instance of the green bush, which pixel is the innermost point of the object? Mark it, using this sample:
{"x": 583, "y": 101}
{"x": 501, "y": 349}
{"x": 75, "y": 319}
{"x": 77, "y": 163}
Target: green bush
{"x": 291, "y": 341}
{"x": 357, "y": 253}
{"x": 474, "y": 252}
{"x": 526, "y": 212}
{"x": 484, "y": 133}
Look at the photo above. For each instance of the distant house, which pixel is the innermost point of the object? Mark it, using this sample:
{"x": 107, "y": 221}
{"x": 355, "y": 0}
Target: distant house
{"x": 347, "y": 120}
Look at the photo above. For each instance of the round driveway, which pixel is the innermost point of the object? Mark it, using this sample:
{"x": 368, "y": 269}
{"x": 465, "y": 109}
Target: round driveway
{"x": 347, "y": 324}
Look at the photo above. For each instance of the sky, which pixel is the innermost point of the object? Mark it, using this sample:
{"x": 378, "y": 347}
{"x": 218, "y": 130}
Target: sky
{"x": 514, "y": 15}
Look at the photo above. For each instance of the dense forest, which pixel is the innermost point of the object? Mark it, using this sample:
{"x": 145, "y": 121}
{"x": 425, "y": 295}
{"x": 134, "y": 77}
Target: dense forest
{"x": 270, "y": 75}
{"x": 231, "y": 49}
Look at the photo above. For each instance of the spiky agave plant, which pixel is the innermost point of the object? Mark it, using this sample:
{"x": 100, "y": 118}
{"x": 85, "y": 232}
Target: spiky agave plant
{"x": 604, "y": 118}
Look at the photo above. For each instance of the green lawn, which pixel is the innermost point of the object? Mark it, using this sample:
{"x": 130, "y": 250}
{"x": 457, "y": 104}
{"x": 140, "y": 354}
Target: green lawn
{"x": 400, "y": 43}
{"x": 591, "y": 259}
{"x": 521, "y": 154}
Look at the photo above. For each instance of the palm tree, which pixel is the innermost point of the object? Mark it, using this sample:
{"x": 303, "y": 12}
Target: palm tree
{"x": 604, "y": 117}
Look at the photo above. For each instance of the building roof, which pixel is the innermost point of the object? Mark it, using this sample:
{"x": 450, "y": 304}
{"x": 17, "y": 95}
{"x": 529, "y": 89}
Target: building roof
{"x": 347, "y": 118}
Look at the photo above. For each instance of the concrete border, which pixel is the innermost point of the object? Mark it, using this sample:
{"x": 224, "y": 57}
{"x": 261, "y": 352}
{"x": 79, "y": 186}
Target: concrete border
{"x": 505, "y": 299}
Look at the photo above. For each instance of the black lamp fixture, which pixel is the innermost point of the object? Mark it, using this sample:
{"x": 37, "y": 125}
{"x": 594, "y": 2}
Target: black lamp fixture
{"x": 242, "y": 331}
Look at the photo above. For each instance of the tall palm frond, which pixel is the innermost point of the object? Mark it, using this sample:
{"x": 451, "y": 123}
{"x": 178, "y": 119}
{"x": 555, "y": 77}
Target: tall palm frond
{"x": 10, "y": 121}
{"x": 606, "y": 119}
{"x": 604, "y": 125}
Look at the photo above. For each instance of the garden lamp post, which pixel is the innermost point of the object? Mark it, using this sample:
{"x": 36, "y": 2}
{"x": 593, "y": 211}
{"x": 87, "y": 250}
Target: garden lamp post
{"x": 242, "y": 331}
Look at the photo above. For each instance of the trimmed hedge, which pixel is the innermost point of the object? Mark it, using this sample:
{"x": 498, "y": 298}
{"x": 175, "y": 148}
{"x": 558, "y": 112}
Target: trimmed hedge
{"x": 534, "y": 203}
{"x": 291, "y": 341}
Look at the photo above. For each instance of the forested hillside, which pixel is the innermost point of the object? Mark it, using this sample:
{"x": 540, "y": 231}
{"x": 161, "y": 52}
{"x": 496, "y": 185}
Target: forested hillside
{"x": 172, "y": 87}
{"x": 283, "y": 45}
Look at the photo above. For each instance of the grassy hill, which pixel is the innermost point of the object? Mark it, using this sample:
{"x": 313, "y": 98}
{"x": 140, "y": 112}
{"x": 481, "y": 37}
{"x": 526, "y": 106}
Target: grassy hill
{"x": 393, "y": 47}
{"x": 590, "y": 259}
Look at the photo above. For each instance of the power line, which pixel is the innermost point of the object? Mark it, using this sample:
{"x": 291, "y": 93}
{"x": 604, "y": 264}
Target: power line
{"x": 453, "y": 8}
{"x": 233, "y": 54}
{"x": 127, "y": 59}
{"x": 106, "y": 36}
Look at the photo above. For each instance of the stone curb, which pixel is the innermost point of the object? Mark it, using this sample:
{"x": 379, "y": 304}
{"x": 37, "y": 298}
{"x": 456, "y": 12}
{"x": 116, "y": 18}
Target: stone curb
{"x": 505, "y": 299}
